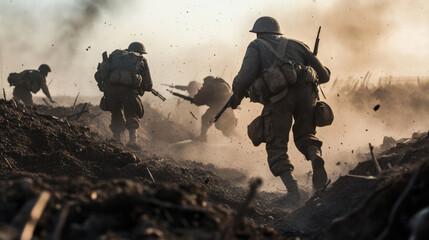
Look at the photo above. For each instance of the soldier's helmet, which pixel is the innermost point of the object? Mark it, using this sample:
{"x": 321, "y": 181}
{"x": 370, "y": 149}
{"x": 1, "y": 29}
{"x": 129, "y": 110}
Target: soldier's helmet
{"x": 44, "y": 68}
{"x": 266, "y": 25}
{"x": 137, "y": 47}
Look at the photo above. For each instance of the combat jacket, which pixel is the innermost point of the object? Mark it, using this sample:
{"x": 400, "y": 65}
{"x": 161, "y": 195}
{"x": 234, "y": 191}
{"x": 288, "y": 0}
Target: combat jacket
{"x": 258, "y": 58}
{"x": 213, "y": 93}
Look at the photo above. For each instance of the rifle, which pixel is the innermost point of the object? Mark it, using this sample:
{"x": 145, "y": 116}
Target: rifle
{"x": 180, "y": 87}
{"x": 187, "y": 98}
{"x": 226, "y": 106}
{"x": 315, "y": 51}
{"x": 156, "y": 93}
{"x": 316, "y": 44}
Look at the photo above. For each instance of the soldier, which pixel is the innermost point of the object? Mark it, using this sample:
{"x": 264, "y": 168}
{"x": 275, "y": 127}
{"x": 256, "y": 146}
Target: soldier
{"x": 123, "y": 77}
{"x": 30, "y": 81}
{"x": 297, "y": 101}
{"x": 214, "y": 93}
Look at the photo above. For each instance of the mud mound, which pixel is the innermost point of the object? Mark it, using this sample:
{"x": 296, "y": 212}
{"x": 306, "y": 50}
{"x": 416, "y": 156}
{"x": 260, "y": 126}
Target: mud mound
{"x": 33, "y": 143}
{"x": 119, "y": 209}
{"x": 350, "y": 194}
{"x": 39, "y": 146}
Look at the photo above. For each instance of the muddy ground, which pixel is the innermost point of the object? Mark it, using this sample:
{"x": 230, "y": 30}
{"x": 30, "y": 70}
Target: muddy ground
{"x": 99, "y": 188}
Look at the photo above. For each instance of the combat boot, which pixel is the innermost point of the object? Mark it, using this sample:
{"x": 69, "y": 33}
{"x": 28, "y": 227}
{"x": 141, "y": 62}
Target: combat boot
{"x": 320, "y": 177}
{"x": 293, "y": 196}
{"x": 117, "y": 136}
{"x": 132, "y": 143}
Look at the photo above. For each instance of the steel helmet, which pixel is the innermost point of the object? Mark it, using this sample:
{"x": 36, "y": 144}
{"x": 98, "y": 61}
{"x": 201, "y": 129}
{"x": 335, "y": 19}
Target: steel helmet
{"x": 137, "y": 47}
{"x": 44, "y": 68}
{"x": 266, "y": 25}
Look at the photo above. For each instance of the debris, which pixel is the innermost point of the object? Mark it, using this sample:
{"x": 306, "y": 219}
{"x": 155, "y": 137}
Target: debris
{"x": 75, "y": 100}
{"x": 4, "y": 95}
{"x": 8, "y": 163}
{"x": 193, "y": 115}
{"x": 377, "y": 166}
{"x": 81, "y": 111}
{"x": 35, "y": 214}
{"x": 376, "y": 107}
{"x": 150, "y": 174}
{"x": 360, "y": 176}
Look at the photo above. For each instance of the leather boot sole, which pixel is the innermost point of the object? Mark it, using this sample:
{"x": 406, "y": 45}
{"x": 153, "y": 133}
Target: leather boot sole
{"x": 320, "y": 177}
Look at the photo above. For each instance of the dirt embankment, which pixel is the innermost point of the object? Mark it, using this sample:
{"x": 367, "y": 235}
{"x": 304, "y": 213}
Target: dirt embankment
{"x": 63, "y": 157}
{"x": 104, "y": 189}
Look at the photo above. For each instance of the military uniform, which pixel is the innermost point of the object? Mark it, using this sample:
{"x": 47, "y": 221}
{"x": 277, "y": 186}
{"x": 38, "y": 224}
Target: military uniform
{"x": 123, "y": 100}
{"x": 298, "y": 104}
{"x": 214, "y": 93}
{"x": 33, "y": 81}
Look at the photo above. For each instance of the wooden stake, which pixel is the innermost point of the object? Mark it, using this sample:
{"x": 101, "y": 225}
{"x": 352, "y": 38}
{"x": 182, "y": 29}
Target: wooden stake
{"x": 35, "y": 214}
{"x": 377, "y": 166}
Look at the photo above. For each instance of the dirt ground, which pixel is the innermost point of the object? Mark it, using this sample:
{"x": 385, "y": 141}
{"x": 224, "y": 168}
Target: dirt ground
{"x": 100, "y": 189}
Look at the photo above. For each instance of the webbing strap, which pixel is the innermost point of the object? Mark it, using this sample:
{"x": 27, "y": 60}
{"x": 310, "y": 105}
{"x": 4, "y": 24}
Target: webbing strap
{"x": 281, "y": 48}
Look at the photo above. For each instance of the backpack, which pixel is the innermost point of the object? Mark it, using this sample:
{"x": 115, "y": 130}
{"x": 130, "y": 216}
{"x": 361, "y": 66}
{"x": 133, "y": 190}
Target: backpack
{"x": 25, "y": 78}
{"x": 272, "y": 85}
{"x": 121, "y": 67}
{"x": 15, "y": 79}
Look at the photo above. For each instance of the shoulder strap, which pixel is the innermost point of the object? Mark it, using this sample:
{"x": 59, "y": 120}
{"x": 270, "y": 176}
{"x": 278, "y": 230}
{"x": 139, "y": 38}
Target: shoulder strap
{"x": 281, "y": 48}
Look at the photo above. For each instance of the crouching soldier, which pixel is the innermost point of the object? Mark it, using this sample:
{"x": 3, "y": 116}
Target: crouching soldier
{"x": 30, "y": 81}
{"x": 123, "y": 76}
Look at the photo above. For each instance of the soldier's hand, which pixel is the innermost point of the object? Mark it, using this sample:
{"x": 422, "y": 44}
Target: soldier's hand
{"x": 234, "y": 101}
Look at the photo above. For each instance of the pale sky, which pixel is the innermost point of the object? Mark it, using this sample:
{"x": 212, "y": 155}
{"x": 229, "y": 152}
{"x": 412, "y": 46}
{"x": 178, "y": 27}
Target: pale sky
{"x": 188, "y": 40}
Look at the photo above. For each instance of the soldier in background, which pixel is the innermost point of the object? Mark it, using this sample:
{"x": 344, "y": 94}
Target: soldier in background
{"x": 279, "y": 111}
{"x": 214, "y": 93}
{"x": 192, "y": 87}
{"x": 30, "y": 81}
{"x": 123, "y": 77}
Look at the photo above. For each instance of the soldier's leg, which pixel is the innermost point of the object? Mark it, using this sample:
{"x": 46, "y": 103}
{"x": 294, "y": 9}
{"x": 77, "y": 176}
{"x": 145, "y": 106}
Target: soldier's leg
{"x": 117, "y": 124}
{"x": 280, "y": 121}
{"x": 20, "y": 94}
{"x": 206, "y": 122}
{"x": 304, "y": 132}
{"x": 133, "y": 110}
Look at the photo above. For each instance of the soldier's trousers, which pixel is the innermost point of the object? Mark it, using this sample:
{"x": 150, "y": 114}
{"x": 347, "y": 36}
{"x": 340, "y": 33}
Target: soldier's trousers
{"x": 226, "y": 123}
{"x": 23, "y": 95}
{"x": 126, "y": 108}
{"x": 297, "y": 105}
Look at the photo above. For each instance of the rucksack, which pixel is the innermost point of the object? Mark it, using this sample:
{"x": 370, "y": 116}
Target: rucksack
{"x": 122, "y": 67}
{"x": 26, "y": 78}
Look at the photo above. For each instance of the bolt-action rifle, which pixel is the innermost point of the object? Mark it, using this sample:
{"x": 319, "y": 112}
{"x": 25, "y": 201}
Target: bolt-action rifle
{"x": 315, "y": 51}
{"x": 180, "y": 87}
{"x": 226, "y": 106}
{"x": 156, "y": 93}
{"x": 187, "y": 98}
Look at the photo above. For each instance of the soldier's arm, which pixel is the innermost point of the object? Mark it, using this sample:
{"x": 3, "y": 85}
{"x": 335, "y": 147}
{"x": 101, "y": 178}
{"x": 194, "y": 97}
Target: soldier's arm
{"x": 248, "y": 71}
{"x": 146, "y": 74}
{"x": 322, "y": 72}
{"x": 200, "y": 97}
{"x": 45, "y": 90}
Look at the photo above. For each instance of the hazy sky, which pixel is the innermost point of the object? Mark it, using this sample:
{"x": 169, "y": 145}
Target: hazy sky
{"x": 188, "y": 40}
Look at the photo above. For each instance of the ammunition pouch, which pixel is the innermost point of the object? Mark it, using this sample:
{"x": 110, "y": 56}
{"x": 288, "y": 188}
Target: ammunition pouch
{"x": 323, "y": 115}
{"x": 275, "y": 79}
{"x": 103, "y": 104}
{"x": 259, "y": 130}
